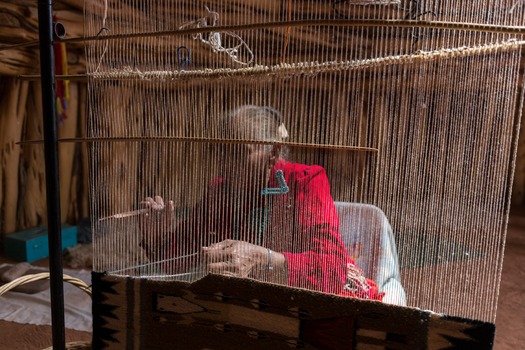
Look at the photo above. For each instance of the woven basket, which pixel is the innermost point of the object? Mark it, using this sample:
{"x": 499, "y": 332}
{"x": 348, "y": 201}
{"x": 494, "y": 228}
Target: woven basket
{"x": 45, "y": 275}
{"x": 42, "y": 276}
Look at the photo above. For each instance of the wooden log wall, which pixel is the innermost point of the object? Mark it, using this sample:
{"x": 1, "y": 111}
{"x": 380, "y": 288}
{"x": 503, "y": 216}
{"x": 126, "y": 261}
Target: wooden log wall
{"x": 22, "y": 176}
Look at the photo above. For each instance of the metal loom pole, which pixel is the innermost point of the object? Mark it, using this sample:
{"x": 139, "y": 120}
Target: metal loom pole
{"x": 47, "y": 71}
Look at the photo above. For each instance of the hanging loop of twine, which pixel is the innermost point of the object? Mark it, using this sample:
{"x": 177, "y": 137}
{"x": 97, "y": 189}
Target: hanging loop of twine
{"x": 213, "y": 39}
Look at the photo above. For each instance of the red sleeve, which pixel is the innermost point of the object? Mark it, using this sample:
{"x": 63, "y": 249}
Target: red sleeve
{"x": 320, "y": 261}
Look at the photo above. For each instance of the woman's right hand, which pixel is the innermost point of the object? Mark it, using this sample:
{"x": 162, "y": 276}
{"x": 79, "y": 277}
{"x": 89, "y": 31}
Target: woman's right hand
{"x": 157, "y": 220}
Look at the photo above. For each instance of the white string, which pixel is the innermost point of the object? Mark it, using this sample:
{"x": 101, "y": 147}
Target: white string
{"x": 102, "y": 30}
{"x": 428, "y": 101}
{"x": 214, "y": 39}
{"x": 158, "y": 262}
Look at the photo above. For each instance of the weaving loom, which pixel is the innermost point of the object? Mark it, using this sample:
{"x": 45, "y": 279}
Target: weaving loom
{"x": 406, "y": 132}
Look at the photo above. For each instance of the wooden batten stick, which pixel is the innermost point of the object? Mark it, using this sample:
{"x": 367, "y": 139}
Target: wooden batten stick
{"x": 15, "y": 111}
{"x": 394, "y": 23}
{"x": 206, "y": 140}
{"x": 125, "y": 215}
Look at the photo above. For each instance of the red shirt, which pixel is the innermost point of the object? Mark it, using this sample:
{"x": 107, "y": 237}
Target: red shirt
{"x": 302, "y": 224}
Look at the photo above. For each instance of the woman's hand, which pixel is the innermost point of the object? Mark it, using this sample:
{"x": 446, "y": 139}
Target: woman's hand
{"x": 235, "y": 258}
{"x": 243, "y": 259}
{"x": 158, "y": 219}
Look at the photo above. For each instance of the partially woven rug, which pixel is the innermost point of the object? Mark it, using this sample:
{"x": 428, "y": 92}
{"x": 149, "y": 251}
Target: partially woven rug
{"x": 219, "y": 312}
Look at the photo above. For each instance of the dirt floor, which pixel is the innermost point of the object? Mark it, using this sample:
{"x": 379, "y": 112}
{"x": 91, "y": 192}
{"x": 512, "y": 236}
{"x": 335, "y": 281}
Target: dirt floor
{"x": 510, "y": 320}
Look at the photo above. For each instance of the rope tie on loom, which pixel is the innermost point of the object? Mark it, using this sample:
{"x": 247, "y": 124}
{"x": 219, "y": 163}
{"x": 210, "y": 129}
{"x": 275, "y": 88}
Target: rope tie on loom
{"x": 312, "y": 68}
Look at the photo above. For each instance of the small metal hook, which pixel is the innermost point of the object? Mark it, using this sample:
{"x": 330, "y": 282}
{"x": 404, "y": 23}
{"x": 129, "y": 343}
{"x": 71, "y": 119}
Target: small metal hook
{"x": 103, "y": 29}
{"x": 183, "y": 54}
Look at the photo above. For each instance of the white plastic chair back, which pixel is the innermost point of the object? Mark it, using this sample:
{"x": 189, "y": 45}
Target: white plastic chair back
{"x": 369, "y": 241}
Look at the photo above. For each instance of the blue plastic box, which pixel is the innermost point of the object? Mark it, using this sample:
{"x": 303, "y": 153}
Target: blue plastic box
{"x": 31, "y": 245}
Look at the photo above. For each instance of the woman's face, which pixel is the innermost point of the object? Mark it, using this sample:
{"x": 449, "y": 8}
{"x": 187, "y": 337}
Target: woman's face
{"x": 246, "y": 166}
{"x": 257, "y": 156}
